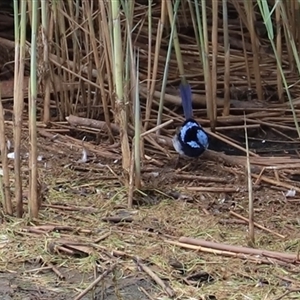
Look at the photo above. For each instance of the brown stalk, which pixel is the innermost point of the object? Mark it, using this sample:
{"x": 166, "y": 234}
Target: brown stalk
{"x": 46, "y": 37}
{"x": 131, "y": 178}
{"x": 56, "y": 16}
{"x": 228, "y": 253}
{"x": 7, "y": 204}
{"x": 287, "y": 27}
{"x": 226, "y": 107}
{"x": 293, "y": 258}
{"x": 154, "y": 277}
{"x": 108, "y": 60}
{"x": 206, "y": 63}
{"x": 160, "y": 28}
{"x": 250, "y": 191}
{"x": 211, "y": 189}
{"x": 247, "y": 67}
{"x": 257, "y": 225}
{"x": 92, "y": 39}
{"x": 87, "y": 98}
{"x": 18, "y": 108}
{"x": 255, "y": 47}
{"x": 34, "y": 201}
{"x": 214, "y": 73}
{"x": 279, "y": 52}
{"x": 96, "y": 281}
{"x": 149, "y": 100}
{"x": 277, "y": 183}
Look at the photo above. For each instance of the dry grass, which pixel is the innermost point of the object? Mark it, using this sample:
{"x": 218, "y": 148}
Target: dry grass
{"x": 81, "y": 195}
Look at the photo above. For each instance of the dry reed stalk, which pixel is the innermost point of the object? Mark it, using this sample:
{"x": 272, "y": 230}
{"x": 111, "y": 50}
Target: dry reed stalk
{"x": 205, "y": 59}
{"x": 5, "y": 184}
{"x": 131, "y": 179}
{"x": 61, "y": 50}
{"x": 215, "y": 51}
{"x": 286, "y": 35}
{"x": 279, "y": 52}
{"x": 226, "y": 107}
{"x": 168, "y": 57}
{"x": 119, "y": 85}
{"x": 46, "y": 78}
{"x": 100, "y": 78}
{"x": 34, "y": 204}
{"x": 257, "y": 225}
{"x": 137, "y": 126}
{"x": 239, "y": 249}
{"x": 133, "y": 59}
{"x": 72, "y": 18}
{"x": 228, "y": 253}
{"x": 250, "y": 191}
{"x": 172, "y": 20}
{"x": 196, "y": 29}
{"x": 160, "y": 27}
{"x": 20, "y": 39}
{"x": 149, "y": 101}
{"x": 249, "y": 8}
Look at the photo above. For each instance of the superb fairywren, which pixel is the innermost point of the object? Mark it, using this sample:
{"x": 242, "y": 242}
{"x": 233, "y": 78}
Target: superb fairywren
{"x": 191, "y": 139}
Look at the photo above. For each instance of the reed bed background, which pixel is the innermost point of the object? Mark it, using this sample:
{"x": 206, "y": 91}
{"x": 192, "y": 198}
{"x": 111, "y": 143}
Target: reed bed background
{"x": 101, "y": 78}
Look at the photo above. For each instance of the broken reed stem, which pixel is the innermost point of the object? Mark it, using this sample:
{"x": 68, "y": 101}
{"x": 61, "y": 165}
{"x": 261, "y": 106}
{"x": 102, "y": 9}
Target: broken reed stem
{"x": 20, "y": 40}
{"x": 5, "y": 184}
{"x": 33, "y": 184}
{"x": 250, "y": 191}
{"x": 293, "y": 258}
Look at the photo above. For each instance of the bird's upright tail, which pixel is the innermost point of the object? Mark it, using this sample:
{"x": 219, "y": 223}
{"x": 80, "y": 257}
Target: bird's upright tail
{"x": 186, "y": 100}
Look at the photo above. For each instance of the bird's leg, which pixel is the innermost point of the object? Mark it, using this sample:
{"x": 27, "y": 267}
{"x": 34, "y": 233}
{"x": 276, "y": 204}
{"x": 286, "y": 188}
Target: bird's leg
{"x": 177, "y": 162}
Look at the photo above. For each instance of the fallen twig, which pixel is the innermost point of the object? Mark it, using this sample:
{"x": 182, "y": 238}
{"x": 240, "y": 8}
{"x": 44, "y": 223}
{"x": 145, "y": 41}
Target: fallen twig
{"x": 146, "y": 269}
{"x": 277, "y": 183}
{"x": 291, "y": 290}
{"x": 257, "y": 225}
{"x": 211, "y": 189}
{"x": 200, "y": 178}
{"x": 69, "y": 208}
{"x": 146, "y": 293}
{"x": 95, "y": 282}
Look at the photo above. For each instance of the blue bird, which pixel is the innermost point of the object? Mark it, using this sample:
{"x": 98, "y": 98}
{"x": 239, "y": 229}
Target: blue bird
{"x": 190, "y": 140}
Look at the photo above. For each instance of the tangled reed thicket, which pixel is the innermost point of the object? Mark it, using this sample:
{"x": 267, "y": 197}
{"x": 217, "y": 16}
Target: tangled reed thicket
{"x": 81, "y": 64}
